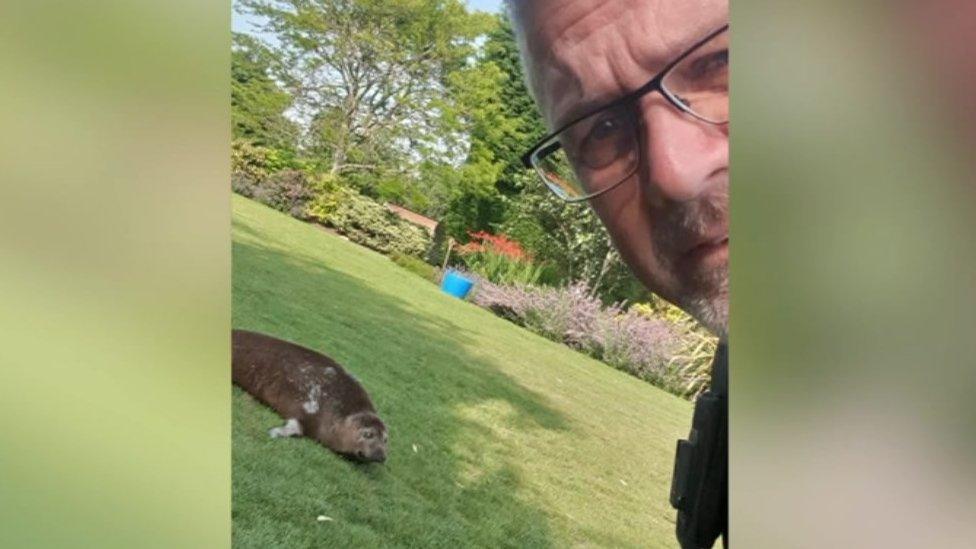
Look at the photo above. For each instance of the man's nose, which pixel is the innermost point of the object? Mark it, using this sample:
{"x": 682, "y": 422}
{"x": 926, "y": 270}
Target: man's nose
{"x": 680, "y": 154}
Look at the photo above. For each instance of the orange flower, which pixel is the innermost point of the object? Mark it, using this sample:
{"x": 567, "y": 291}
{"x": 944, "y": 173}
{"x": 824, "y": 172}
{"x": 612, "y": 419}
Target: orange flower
{"x": 499, "y": 244}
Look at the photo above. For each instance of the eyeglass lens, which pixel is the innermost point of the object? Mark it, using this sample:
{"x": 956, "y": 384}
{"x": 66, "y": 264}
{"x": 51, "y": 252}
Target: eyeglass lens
{"x": 601, "y": 150}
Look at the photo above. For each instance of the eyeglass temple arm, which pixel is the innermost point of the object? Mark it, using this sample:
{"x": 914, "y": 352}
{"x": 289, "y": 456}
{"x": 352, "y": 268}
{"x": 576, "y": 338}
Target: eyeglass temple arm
{"x": 544, "y": 150}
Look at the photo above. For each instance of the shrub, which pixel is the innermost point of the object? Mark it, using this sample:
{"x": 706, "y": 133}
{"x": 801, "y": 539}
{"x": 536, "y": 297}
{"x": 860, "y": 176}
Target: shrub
{"x": 259, "y": 162}
{"x": 368, "y": 223}
{"x": 638, "y": 345}
{"x": 695, "y": 348}
{"x": 567, "y": 314}
{"x": 415, "y": 265}
{"x": 243, "y": 183}
{"x": 438, "y": 245}
{"x": 693, "y": 361}
{"x": 629, "y": 341}
{"x": 286, "y": 191}
{"x": 329, "y": 194}
{"x": 499, "y": 259}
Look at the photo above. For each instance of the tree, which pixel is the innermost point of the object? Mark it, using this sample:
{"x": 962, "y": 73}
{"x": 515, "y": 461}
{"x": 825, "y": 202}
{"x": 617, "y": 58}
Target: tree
{"x": 517, "y": 105}
{"x": 477, "y": 111}
{"x": 257, "y": 102}
{"x": 368, "y": 76}
{"x": 496, "y": 113}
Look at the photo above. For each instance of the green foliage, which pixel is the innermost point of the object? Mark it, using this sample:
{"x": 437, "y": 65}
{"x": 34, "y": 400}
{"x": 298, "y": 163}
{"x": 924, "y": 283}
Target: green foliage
{"x": 474, "y": 202}
{"x": 258, "y": 162}
{"x": 366, "y": 222}
{"x": 329, "y": 194}
{"x": 495, "y": 133}
{"x": 438, "y": 246}
{"x": 416, "y": 266}
{"x": 517, "y": 106}
{"x": 473, "y": 209}
{"x": 503, "y": 270}
{"x": 370, "y": 74}
{"x": 257, "y": 102}
{"x": 499, "y": 259}
{"x": 572, "y": 240}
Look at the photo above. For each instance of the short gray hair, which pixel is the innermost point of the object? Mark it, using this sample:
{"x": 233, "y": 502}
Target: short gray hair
{"x": 515, "y": 10}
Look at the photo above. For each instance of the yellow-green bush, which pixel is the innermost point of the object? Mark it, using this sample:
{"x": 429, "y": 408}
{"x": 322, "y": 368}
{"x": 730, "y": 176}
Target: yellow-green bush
{"x": 259, "y": 163}
{"x": 365, "y": 221}
{"x": 693, "y": 359}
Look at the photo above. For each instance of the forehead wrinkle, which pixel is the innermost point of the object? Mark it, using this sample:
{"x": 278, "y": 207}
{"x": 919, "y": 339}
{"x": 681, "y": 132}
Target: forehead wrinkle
{"x": 568, "y": 92}
{"x": 572, "y": 33}
{"x": 586, "y": 55}
{"x": 617, "y": 45}
{"x": 556, "y": 59}
{"x": 638, "y": 62}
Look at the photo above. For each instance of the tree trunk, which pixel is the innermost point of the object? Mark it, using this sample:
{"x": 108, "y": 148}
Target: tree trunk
{"x": 338, "y": 157}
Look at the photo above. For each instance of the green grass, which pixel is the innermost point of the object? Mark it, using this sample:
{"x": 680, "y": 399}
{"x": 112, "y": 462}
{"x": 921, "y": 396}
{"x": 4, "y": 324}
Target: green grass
{"x": 520, "y": 442}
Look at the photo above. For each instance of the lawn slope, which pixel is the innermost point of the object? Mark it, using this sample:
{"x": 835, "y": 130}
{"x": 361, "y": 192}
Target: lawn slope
{"x": 498, "y": 437}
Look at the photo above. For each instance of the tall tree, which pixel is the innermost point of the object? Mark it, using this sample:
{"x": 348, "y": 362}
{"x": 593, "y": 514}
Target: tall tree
{"x": 258, "y": 103}
{"x": 477, "y": 110}
{"x": 517, "y": 105}
{"x": 500, "y": 120}
{"x": 368, "y": 76}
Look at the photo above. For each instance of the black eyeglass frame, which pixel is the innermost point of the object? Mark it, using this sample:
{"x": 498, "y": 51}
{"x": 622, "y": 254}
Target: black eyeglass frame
{"x": 654, "y": 84}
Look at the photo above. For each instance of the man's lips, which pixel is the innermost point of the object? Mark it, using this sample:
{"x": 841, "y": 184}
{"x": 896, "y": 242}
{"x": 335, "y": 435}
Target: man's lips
{"x": 709, "y": 250}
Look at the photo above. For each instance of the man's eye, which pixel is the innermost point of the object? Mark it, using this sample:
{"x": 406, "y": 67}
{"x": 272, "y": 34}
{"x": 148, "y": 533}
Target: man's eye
{"x": 710, "y": 64}
{"x": 607, "y": 140}
{"x": 603, "y": 129}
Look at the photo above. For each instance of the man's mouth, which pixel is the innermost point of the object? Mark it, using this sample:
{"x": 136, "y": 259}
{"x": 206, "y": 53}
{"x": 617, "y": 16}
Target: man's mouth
{"x": 708, "y": 252}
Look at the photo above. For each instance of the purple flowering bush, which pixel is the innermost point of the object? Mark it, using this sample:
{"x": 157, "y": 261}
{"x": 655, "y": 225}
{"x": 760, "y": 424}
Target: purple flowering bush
{"x": 287, "y": 191}
{"x": 633, "y": 342}
{"x": 639, "y": 345}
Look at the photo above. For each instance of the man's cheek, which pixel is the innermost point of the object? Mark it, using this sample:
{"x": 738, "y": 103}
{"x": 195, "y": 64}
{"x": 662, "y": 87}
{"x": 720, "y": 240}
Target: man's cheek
{"x": 628, "y": 221}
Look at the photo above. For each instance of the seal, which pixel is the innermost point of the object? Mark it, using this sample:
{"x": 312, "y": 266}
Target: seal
{"x": 316, "y": 397}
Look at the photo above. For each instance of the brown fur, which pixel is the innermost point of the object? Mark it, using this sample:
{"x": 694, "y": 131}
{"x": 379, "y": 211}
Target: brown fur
{"x": 330, "y": 405}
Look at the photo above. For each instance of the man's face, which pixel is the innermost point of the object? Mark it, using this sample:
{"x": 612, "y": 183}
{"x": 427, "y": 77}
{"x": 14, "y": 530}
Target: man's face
{"x": 670, "y": 219}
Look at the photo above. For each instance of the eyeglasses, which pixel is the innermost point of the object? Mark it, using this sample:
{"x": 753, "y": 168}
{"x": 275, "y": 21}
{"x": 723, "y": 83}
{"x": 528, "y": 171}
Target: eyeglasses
{"x": 601, "y": 149}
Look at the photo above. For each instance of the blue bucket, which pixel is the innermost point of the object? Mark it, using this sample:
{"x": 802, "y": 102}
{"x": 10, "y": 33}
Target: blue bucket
{"x": 456, "y": 285}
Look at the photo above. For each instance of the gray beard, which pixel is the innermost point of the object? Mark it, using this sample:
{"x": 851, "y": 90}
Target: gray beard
{"x": 706, "y": 295}
{"x": 712, "y": 311}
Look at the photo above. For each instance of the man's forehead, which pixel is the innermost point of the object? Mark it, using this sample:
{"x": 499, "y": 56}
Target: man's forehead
{"x": 586, "y": 52}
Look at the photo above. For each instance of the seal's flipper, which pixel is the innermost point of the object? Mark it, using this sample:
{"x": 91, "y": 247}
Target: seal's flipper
{"x": 291, "y": 428}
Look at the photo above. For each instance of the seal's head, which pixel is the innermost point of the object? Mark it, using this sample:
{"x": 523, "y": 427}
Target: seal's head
{"x": 363, "y": 437}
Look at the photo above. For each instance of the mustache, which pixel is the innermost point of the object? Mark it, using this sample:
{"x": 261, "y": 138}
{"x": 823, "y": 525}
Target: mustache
{"x": 689, "y": 221}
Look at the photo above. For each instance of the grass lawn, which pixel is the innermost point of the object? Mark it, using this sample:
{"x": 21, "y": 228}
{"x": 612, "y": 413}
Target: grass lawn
{"x": 498, "y": 437}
